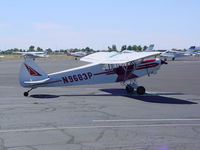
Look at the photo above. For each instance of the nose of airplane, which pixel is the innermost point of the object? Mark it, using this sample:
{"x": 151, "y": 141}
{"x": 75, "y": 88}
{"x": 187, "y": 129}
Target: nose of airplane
{"x": 163, "y": 62}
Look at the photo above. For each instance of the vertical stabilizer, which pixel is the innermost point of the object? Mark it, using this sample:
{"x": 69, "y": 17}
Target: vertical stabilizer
{"x": 190, "y": 51}
{"x": 30, "y": 71}
{"x": 150, "y": 48}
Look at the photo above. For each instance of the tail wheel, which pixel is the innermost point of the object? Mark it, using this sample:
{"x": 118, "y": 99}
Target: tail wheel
{"x": 25, "y": 94}
{"x": 140, "y": 90}
{"x": 129, "y": 89}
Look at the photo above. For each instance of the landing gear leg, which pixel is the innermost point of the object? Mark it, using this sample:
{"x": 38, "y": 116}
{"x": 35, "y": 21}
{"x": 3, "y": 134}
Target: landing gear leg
{"x": 129, "y": 89}
{"x": 27, "y": 93}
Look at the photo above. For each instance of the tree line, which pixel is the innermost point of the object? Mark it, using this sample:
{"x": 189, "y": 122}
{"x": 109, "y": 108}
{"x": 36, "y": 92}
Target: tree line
{"x": 87, "y": 49}
{"x": 127, "y": 47}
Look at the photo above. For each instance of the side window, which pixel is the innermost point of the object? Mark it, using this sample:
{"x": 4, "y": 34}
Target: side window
{"x": 108, "y": 67}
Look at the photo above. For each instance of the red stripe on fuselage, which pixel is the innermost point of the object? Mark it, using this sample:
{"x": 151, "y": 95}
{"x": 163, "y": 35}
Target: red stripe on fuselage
{"x": 148, "y": 60}
{"x": 147, "y": 66}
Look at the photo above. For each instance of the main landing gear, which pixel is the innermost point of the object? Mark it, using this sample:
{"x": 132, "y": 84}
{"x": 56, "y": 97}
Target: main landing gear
{"x": 27, "y": 93}
{"x": 139, "y": 89}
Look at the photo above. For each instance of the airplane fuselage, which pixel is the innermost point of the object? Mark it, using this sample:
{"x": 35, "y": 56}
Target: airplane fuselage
{"x": 100, "y": 74}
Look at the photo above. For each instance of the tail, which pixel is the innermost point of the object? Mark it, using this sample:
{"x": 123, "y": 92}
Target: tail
{"x": 150, "y": 48}
{"x": 46, "y": 52}
{"x": 190, "y": 51}
{"x": 31, "y": 74}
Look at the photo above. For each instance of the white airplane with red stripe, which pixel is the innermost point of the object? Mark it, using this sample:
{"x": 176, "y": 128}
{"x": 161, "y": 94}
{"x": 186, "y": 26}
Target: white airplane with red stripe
{"x": 103, "y": 67}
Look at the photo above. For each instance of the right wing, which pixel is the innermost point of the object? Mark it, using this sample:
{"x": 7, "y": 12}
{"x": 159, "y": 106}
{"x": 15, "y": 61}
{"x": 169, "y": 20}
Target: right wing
{"x": 98, "y": 57}
{"x": 116, "y": 57}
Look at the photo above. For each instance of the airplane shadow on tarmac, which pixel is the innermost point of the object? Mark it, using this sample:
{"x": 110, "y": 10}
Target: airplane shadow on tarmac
{"x": 151, "y": 98}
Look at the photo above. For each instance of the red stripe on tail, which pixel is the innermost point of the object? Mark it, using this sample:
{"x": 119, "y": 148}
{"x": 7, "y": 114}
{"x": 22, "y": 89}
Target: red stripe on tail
{"x": 31, "y": 71}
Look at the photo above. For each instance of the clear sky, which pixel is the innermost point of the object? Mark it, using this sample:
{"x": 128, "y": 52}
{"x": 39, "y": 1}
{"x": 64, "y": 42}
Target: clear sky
{"x": 63, "y": 24}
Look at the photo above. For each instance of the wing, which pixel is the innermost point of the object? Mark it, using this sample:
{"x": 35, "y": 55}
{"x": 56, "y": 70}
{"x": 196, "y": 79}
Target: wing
{"x": 32, "y": 53}
{"x": 18, "y": 53}
{"x": 117, "y": 58}
{"x": 99, "y": 56}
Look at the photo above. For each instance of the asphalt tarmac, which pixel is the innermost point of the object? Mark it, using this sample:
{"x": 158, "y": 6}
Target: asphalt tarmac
{"x": 102, "y": 117}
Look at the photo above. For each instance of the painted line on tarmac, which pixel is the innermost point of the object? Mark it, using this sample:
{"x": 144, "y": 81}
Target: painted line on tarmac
{"x": 94, "y": 127}
{"x": 146, "y": 120}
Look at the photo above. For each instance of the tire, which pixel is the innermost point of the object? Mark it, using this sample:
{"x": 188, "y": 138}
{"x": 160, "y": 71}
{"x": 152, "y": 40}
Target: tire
{"x": 140, "y": 90}
{"x": 25, "y": 94}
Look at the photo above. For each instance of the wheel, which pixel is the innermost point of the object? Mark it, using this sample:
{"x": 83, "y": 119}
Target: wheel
{"x": 129, "y": 89}
{"x": 140, "y": 90}
{"x": 26, "y": 94}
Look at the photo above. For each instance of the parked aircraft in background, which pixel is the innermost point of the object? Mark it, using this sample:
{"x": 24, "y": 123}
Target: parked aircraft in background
{"x": 104, "y": 67}
{"x": 33, "y": 54}
{"x": 196, "y": 50}
{"x": 175, "y": 54}
{"x": 1, "y": 56}
{"x": 172, "y": 53}
{"x": 78, "y": 54}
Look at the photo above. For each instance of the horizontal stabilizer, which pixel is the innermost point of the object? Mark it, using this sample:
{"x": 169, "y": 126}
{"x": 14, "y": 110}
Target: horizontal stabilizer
{"x": 37, "y": 82}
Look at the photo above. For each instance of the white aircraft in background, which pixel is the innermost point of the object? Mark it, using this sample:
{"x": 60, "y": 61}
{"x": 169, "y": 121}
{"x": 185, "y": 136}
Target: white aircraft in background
{"x": 196, "y": 50}
{"x": 77, "y": 54}
{"x": 104, "y": 67}
{"x": 174, "y": 54}
{"x": 33, "y": 54}
{"x": 1, "y": 56}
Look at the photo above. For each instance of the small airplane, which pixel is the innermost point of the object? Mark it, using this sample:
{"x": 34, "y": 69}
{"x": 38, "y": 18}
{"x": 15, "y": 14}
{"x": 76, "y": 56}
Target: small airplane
{"x": 175, "y": 54}
{"x": 196, "y": 50}
{"x": 103, "y": 67}
{"x": 77, "y": 54}
{"x": 33, "y": 54}
{"x": 1, "y": 56}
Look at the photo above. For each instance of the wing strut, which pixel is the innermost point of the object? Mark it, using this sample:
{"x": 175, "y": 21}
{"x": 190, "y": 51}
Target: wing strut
{"x": 128, "y": 68}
